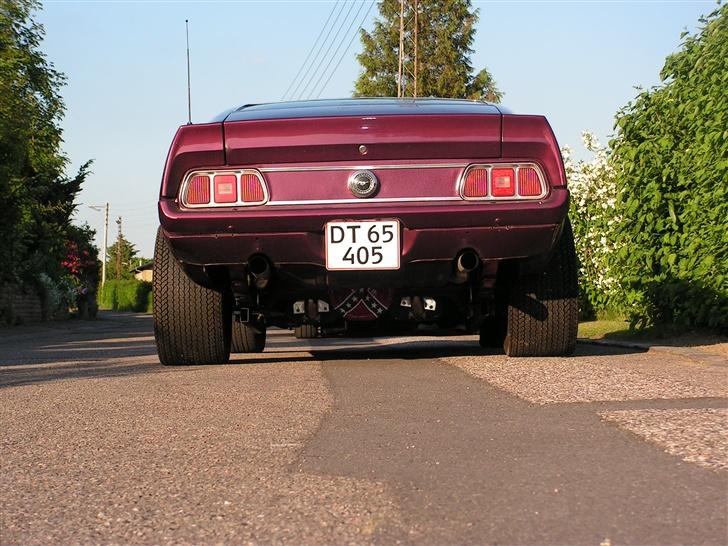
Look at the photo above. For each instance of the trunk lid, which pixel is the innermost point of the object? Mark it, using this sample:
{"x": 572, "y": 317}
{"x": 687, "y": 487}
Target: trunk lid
{"x": 362, "y": 130}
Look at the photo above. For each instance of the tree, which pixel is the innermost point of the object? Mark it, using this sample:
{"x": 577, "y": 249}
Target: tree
{"x": 38, "y": 198}
{"x": 125, "y": 258}
{"x": 670, "y": 160}
{"x": 445, "y": 33}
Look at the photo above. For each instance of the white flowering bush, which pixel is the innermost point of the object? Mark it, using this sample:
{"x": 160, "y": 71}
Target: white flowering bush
{"x": 594, "y": 220}
{"x": 58, "y": 295}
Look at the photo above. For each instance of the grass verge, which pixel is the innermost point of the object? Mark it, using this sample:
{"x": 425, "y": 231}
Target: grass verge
{"x": 676, "y": 336}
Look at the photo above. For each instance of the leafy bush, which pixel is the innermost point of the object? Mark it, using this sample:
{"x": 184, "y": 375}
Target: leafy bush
{"x": 593, "y": 219}
{"x": 127, "y": 295}
{"x": 671, "y": 166}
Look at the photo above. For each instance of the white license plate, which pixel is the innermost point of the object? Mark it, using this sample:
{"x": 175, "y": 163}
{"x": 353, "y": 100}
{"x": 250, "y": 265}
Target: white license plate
{"x": 362, "y": 245}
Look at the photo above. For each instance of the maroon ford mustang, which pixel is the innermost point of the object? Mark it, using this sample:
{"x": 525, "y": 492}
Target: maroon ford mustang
{"x": 364, "y": 215}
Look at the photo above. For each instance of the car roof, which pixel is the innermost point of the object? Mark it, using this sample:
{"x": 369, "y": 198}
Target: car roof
{"x": 356, "y": 107}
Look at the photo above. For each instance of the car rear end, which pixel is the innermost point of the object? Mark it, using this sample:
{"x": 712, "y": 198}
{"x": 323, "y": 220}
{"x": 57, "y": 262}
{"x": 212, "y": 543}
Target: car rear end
{"x": 365, "y": 213}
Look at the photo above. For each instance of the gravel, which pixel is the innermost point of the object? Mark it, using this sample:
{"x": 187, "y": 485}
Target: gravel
{"x": 592, "y": 378}
{"x": 697, "y": 436}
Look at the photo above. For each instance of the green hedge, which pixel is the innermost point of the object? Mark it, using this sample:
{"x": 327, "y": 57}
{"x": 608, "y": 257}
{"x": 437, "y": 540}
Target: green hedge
{"x": 131, "y": 295}
{"x": 671, "y": 163}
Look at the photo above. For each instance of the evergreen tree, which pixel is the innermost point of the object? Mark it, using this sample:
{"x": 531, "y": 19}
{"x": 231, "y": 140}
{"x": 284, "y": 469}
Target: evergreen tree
{"x": 446, "y": 29}
{"x": 127, "y": 259}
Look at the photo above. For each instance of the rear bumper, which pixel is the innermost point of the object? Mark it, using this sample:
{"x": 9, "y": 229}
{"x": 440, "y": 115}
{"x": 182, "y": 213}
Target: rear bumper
{"x": 434, "y": 231}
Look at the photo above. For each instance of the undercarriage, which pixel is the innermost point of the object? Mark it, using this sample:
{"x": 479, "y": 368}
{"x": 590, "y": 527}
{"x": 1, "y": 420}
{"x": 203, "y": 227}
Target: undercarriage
{"x": 527, "y": 306}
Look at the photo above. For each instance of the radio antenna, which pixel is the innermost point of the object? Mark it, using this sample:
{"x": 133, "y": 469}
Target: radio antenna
{"x": 189, "y": 92}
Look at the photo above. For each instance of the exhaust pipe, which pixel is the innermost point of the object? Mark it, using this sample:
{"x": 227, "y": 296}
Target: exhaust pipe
{"x": 467, "y": 261}
{"x": 260, "y": 269}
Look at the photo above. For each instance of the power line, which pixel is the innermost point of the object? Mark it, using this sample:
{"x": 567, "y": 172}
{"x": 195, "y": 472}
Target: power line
{"x": 137, "y": 224}
{"x": 343, "y": 54}
{"x": 328, "y": 50}
{"x": 150, "y": 206}
{"x": 336, "y": 51}
{"x": 333, "y": 9}
{"x": 313, "y": 60}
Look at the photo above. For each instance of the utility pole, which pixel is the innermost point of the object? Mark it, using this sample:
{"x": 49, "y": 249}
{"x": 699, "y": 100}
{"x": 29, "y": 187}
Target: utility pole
{"x": 408, "y": 62}
{"x": 99, "y": 208}
{"x": 106, "y": 244}
{"x": 118, "y": 249}
{"x": 416, "y": 32}
{"x": 401, "y": 48}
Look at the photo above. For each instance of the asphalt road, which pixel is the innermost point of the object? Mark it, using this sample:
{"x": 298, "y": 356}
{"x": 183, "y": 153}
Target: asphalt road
{"x": 396, "y": 440}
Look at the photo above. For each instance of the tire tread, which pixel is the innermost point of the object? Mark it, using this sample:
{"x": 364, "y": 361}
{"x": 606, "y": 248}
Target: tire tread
{"x": 191, "y": 323}
{"x": 247, "y": 339}
{"x": 543, "y": 312}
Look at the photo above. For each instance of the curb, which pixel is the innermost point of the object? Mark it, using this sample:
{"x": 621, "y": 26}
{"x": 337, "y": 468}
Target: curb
{"x": 622, "y": 344}
{"x": 686, "y": 352}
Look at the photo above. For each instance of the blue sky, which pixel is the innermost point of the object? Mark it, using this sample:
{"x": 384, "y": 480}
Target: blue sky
{"x": 576, "y": 62}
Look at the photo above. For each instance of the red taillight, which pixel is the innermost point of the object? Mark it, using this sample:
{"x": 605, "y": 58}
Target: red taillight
{"x": 502, "y": 182}
{"x": 529, "y": 184}
{"x": 251, "y": 189}
{"x": 225, "y": 188}
{"x": 228, "y": 188}
{"x": 505, "y": 181}
{"x": 476, "y": 183}
{"x": 198, "y": 190}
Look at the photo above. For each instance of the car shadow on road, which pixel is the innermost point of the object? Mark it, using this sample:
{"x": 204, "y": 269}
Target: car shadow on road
{"x": 368, "y": 349}
{"x": 122, "y": 345}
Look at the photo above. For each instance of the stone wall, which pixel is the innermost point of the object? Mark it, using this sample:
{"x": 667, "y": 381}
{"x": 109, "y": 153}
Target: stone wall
{"x": 19, "y": 305}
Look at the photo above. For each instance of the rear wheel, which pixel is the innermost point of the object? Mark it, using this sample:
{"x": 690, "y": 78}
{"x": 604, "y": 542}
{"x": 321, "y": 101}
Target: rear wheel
{"x": 306, "y": 331}
{"x": 542, "y": 314}
{"x": 191, "y": 323}
{"x": 248, "y": 338}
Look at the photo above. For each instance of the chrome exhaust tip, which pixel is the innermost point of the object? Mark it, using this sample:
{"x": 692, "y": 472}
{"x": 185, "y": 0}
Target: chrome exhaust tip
{"x": 467, "y": 261}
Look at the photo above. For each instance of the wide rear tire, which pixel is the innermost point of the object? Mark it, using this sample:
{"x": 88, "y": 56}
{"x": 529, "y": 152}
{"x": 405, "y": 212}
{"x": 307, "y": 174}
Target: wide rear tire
{"x": 543, "y": 313}
{"x": 248, "y": 338}
{"x": 306, "y": 331}
{"x": 192, "y": 324}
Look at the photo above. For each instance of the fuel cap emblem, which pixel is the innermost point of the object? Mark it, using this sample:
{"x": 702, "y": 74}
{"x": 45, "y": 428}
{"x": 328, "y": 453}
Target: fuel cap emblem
{"x": 363, "y": 183}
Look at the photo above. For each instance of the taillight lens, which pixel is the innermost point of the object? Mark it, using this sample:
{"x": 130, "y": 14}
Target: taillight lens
{"x": 529, "y": 183}
{"x": 506, "y": 181}
{"x": 502, "y": 182}
{"x": 231, "y": 188}
{"x": 476, "y": 183}
{"x": 198, "y": 190}
{"x": 225, "y": 188}
{"x": 251, "y": 189}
